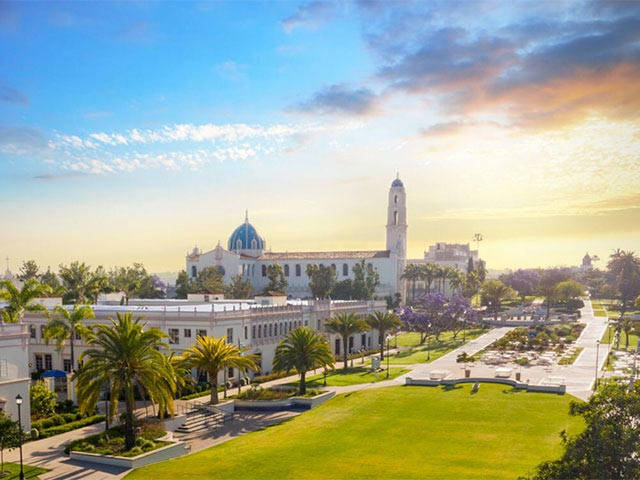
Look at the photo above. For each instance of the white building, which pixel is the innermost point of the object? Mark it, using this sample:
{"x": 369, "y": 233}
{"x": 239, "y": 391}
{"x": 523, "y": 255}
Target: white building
{"x": 14, "y": 371}
{"x": 247, "y": 255}
{"x": 454, "y": 255}
{"x": 245, "y": 323}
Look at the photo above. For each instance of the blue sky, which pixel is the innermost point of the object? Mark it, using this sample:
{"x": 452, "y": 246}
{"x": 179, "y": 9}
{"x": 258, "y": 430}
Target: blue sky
{"x": 130, "y": 131}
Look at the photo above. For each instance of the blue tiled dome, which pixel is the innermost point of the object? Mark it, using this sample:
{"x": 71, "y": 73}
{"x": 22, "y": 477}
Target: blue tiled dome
{"x": 397, "y": 183}
{"x": 243, "y": 238}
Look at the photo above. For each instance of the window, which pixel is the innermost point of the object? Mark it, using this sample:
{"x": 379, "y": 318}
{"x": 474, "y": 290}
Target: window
{"x": 201, "y": 333}
{"x": 229, "y": 335}
{"x": 194, "y": 271}
{"x": 259, "y": 331}
{"x": 286, "y": 270}
{"x": 351, "y": 344}
{"x": 48, "y": 363}
{"x": 187, "y": 333}
{"x": 230, "y": 372}
{"x": 337, "y": 346}
{"x": 32, "y": 331}
{"x": 318, "y": 324}
{"x": 345, "y": 270}
{"x": 306, "y": 323}
{"x": 253, "y": 331}
{"x": 174, "y": 335}
{"x": 395, "y": 199}
{"x": 395, "y": 218}
{"x": 246, "y": 332}
{"x": 39, "y": 365}
{"x": 289, "y": 325}
{"x": 42, "y": 330}
{"x": 298, "y": 270}
{"x": 66, "y": 365}
{"x": 363, "y": 340}
{"x": 281, "y": 328}
{"x": 333, "y": 267}
{"x": 4, "y": 368}
{"x": 271, "y": 329}
{"x": 254, "y": 244}
{"x": 264, "y": 270}
{"x": 238, "y": 244}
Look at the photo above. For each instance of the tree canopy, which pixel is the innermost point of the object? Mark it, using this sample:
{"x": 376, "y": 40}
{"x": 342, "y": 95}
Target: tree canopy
{"x": 322, "y": 279}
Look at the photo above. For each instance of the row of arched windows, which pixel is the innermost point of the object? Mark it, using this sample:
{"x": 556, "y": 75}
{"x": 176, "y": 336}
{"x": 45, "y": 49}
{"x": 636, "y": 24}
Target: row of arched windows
{"x": 275, "y": 329}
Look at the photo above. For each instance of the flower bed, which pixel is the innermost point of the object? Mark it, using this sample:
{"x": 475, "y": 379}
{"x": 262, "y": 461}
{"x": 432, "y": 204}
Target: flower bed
{"x": 111, "y": 442}
{"x": 274, "y": 393}
{"x": 62, "y": 423}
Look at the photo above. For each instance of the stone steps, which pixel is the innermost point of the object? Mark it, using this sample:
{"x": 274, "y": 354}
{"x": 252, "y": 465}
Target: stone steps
{"x": 200, "y": 420}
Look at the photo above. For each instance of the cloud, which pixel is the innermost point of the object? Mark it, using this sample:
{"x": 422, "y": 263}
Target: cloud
{"x": 59, "y": 176}
{"x": 21, "y": 140}
{"x": 340, "y": 99}
{"x": 308, "y": 15}
{"x": 11, "y": 95}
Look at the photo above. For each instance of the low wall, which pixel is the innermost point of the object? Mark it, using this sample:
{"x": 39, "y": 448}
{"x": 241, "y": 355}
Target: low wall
{"x": 524, "y": 323}
{"x": 560, "y": 389}
{"x": 176, "y": 449}
{"x": 292, "y": 403}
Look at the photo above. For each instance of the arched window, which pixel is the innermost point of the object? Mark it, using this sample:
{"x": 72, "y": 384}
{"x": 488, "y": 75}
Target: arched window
{"x": 264, "y": 270}
{"x": 238, "y": 244}
{"x": 345, "y": 270}
{"x": 395, "y": 217}
{"x": 298, "y": 270}
{"x": 194, "y": 271}
{"x": 286, "y": 270}
{"x": 395, "y": 199}
{"x": 333, "y": 266}
{"x": 253, "y": 270}
{"x": 254, "y": 244}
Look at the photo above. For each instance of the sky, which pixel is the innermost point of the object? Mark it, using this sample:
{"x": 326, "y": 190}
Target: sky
{"x": 134, "y": 131}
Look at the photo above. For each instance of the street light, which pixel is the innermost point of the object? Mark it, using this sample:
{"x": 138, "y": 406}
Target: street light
{"x": 388, "y": 340}
{"x": 19, "y": 403}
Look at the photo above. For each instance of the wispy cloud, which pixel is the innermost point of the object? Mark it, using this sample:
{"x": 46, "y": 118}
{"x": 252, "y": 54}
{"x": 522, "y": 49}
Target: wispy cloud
{"x": 340, "y": 99}
{"x": 11, "y": 95}
{"x": 21, "y": 140}
{"x": 309, "y": 15}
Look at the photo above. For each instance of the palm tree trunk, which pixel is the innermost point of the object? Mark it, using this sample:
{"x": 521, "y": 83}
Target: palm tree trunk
{"x": 381, "y": 345}
{"x": 213, "y": 383}
{"x": 302, "y": 388}
{"x": 73, "y": 363}
{"x": 129, "y": 434}
{"x": 345, "y": 342}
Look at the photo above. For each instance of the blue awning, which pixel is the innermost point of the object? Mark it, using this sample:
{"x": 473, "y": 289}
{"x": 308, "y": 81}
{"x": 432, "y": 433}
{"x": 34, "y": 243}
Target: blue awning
{"x": 54, "y": 374}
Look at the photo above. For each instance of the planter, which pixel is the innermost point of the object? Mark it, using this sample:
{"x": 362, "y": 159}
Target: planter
{"x": 174, "y": 450}
{"x": 291, "y": 403}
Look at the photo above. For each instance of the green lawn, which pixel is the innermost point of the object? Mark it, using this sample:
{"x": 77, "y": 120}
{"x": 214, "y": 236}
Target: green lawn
{"x": 29, "y": 472}
{"x": 419, "y": 353}
{"x": 599, "y": 313}
{"x": 569, "y": 359}
{"x": 610, "y": 333}
{"x": 353, "y": 376}
{"x": 393, "y": 432}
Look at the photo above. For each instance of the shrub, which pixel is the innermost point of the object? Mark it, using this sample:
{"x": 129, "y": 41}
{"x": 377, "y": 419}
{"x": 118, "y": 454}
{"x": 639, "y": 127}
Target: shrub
{"x": 34, "y": 434}
{"x": 43, "y": 400}
{"x": 67, "y": 427}
{"x": 522, "y": 361}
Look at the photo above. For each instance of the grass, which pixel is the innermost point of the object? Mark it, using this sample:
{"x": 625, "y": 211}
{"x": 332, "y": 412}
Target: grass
{"x": 610, "y": 333}
{"x": 393, "y": 432}
{"x": 569, "y": 359}
{"x": 599, "y": 313}
{"x": 416, "y": 353}
{"x": 29, "y": 472}
{"x": 353, "y": 376}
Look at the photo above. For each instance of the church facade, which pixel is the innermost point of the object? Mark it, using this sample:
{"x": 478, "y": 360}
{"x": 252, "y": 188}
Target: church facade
{"x": 247, "y": 255}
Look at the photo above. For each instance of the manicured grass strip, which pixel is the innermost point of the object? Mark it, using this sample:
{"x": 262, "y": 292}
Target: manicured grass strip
{"x": 610, "y": 335}
{"x": 568, "y": 360}
{"x": 29, "y": 472}
{"x": 353, "y": 376}
{"x": 419, "y": 353}
{"x": 599, "y": 313}
{"x": 394, "y": 432}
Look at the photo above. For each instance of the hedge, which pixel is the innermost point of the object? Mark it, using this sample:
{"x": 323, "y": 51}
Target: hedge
{"x": 67, "y": 427}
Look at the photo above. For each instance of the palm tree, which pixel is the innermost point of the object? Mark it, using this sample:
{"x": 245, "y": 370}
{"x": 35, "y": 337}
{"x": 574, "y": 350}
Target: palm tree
{"x": 428, "y": 274}
{"x": 345, "y": 325}
{"x": 303, "y": 349}
{"x": 66, "y": 325}
{"x": 412, "y": 273}
{"x": 20, "y": 301}
{"x": 124, "y": 355}
{"x": 213, "y": 355}
{"x": 627, "y": 326}
{"x": 625, "y": 268}
{"x": 80, "y": 282}
{"x": 455, "y": 280}
{"x": 383, "y": 322}
{"x": 493, "y": 293}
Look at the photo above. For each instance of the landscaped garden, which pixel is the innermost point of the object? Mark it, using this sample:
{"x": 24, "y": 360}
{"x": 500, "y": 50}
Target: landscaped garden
{"x": 353, "y": 376}
{"x": 411, "y": 351}
{"x": 394, "y": 432}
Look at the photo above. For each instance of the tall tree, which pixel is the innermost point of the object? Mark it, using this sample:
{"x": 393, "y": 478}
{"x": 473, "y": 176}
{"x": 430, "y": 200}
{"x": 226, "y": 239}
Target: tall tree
{"x": 303, "y": 349}
{"x": 183, "y": 284}
{"x": 51, "y": 279}
{"x": 569, "y": 290}
{"x": 455, "y": 279}
{"x": 277, "y": 282}
{"x": 522, "y": 281}
{"x": 124, "y": 354}
{"x": 624, "y": 266}
{"x": 366, "y": 280}
{"x": 608, "y": 446}
{"x": 82, "y": 284}
{"x": 28, "y": 270}
{"x": 345, "y": 325}
{"x": 493, "y": 293}
{"x": 214, "y": 355}
{"x": 322, "y": 279}
{"x": 428, "y": 274}
{"x": 412, "y": 273}
{"x": 239, "y": 287}
{"x": 66, "y": 324}
{"x": 209, "y": 280}
{"x": 383, "y": 322}
{"x": 547, "y": 286}
{"x": 21, "y": 301}
{"x": 343, "y": 290}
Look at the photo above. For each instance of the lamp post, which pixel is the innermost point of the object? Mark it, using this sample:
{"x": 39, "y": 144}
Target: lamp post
{"x": 595, "y": 383}
{"x": 388, "y": 340}
{"x": 19, "y": 403}
{"x": 428, "y": 347}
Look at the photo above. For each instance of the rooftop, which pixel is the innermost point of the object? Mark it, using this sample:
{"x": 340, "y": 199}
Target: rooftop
{"x": 324, "y": 255}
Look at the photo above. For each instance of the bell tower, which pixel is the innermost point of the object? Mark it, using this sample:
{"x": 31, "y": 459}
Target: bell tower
{"x": 397, "y": 219}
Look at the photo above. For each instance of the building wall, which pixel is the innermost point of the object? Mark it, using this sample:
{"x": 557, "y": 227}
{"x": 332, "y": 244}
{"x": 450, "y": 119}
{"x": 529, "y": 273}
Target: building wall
{"x": 14, "y": 371}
